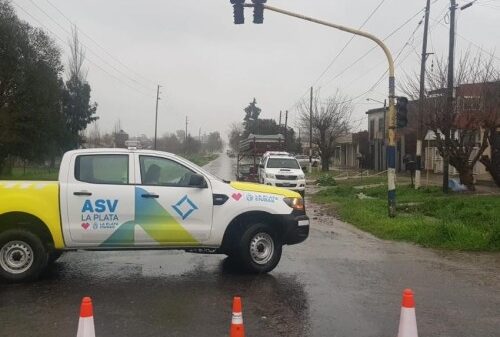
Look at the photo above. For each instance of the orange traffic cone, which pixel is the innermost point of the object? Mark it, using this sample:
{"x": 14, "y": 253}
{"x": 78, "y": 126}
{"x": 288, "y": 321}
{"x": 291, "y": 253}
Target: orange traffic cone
{"x": 86, "y": 322}
{"x": 237, "y": 329}
{"x": 408, "y": 319}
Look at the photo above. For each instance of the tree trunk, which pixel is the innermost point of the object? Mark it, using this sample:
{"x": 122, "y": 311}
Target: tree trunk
{"x": 325, "y": 163}
{"x": 493, "y": 167}
{"x": 466, "y": 177}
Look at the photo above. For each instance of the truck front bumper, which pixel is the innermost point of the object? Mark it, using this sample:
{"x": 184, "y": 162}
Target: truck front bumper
{"x": 296, "y": 228}
{"x": 294, "y": 185}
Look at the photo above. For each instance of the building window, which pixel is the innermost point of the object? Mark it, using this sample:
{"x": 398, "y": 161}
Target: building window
{"x": 372, "y": 128}
{"x": 381, "y": 125}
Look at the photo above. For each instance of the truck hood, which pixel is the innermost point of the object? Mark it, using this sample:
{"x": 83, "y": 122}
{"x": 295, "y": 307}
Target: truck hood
{"x": 259, "y": 188}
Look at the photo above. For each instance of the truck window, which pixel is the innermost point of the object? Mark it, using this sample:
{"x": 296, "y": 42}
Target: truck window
{"x": 163, "y": 172}
{"x": 102, "y": 169}
{"x": 282, "y": 163}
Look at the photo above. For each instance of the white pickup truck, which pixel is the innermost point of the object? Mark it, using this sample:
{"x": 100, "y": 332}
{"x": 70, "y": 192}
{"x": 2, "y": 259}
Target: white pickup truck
{"x": 111, "y": 199}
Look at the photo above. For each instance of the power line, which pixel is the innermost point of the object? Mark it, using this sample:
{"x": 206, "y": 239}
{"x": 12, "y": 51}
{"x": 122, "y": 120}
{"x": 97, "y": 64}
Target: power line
{"x": 364, "y": 55}
{"x": 373, "y": 48}
{"x": 472, "y": 43}
{"x": 348, "y": 43}
{"x": 91, "y": 50}
{"x": 98, "y": 45}
{"x": 88, "y": 59}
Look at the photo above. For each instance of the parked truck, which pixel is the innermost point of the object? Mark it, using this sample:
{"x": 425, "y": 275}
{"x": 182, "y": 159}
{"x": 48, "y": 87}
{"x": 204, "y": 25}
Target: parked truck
{"x": 122, "y": 199}
{"x": 250, "y": 152}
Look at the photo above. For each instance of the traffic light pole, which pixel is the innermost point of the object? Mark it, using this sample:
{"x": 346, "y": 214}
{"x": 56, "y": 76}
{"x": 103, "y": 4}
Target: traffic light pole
{"x": 391, "y": 148}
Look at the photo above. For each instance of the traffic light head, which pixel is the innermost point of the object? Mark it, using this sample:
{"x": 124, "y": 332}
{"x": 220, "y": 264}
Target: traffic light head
{"x": 402, "y": 112}
{"x": 239, "y": 17}
{"x": 258, "y": 11}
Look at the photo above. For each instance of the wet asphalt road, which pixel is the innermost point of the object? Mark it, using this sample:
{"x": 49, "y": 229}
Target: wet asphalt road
{"x": 340, "y": 282}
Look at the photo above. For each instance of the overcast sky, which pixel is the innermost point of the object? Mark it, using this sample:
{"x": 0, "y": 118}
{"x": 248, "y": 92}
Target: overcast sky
{"x": 210, "y": 69}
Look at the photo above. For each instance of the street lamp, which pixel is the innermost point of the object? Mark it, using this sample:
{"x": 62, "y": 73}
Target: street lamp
{"x": 391, "y": 148}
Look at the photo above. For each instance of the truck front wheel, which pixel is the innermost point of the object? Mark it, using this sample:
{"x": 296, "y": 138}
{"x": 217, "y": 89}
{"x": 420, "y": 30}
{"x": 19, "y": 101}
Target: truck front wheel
{"x": 22, "y": 255}
{"x": 260, "y": 248}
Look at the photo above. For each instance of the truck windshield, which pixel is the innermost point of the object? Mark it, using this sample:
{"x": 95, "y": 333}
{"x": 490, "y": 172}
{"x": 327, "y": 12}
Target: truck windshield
{"x": 283, "y": 163}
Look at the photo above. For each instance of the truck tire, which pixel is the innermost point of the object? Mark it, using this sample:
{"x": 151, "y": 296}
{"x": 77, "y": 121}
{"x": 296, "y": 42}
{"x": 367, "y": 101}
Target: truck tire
{"x": 259, "y": 248}
{"x": 55, "y": 255}
{"x": 23, "y": 256}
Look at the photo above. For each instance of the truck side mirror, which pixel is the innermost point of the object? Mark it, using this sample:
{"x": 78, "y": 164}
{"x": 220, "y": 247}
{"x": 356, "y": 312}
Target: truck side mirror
{"x": 197, "y": 180}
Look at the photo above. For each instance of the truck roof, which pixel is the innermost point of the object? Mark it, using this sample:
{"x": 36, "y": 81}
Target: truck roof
{"x": 121, "y": 150}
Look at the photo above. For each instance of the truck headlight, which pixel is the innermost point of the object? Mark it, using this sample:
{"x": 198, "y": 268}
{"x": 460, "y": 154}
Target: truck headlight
{"x": 270, "y": 175}
{"x": 301, "y": 176}
{"x": 295, "y": 203}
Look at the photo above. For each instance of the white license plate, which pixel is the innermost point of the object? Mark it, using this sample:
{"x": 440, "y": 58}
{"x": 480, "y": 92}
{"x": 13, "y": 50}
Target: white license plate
{"x": 303, "y": 222}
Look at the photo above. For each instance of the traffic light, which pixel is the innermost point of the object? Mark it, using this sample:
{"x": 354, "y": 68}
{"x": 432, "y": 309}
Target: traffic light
{"x": 402, "y": 112}
{"x": 258, "y": 11}
{"x": 239, "y": 17}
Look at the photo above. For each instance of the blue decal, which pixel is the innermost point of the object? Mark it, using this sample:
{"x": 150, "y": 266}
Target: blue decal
{"x": 262, "y": 198}
{"x": 87, "y": 206}
{"x": 112, "y": 207}
{"x": 180, "y": 207}
{"x": 100, "y": 205}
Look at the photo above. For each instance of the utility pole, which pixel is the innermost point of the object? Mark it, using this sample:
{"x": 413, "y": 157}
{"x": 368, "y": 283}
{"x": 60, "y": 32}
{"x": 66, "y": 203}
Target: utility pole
{"x": 280, "y": 121}
{"x": 449, "y": 94}
{"x": 286, "y": 129}
{"x": 156, "y": 115}
{"x": 310, "y": 130}
{"x": 186, "y": 132}
{"x": 420, "y": 114}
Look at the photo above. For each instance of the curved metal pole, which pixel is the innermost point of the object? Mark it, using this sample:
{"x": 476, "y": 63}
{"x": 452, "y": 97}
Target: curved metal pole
{"x": 391, "y": 148}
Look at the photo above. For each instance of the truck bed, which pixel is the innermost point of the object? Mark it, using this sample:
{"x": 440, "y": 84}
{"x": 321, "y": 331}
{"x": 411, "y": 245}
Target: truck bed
{"x": 38, "y": 198}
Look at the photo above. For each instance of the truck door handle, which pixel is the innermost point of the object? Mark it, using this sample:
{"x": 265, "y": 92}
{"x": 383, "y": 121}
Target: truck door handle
{"x": 86, "y": 193}
{"x": 150, "y": 195}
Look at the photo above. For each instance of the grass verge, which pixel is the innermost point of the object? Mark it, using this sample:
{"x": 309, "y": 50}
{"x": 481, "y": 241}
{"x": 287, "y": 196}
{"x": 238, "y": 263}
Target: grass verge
{"x": 201, "y": 159}
{"x": 426, "y": 217}
{"x": 19, "y": 173}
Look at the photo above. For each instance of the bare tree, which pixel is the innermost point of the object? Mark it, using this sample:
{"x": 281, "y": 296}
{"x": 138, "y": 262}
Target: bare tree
{"x": 330, "y": 119}
{"x": 76, "y": 57}
{"x": 235, "y": 134}
{"x": 491, "y": 161}
{"x": 461, "y": 133}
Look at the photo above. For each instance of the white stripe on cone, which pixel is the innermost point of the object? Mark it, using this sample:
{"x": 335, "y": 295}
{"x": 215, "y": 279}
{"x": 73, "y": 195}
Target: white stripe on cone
{"x": 86, "y": 327}
{"x": 408, "y": 323}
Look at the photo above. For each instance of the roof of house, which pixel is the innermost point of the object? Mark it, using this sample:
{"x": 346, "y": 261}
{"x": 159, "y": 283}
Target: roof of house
{"x": 377, "y": 110}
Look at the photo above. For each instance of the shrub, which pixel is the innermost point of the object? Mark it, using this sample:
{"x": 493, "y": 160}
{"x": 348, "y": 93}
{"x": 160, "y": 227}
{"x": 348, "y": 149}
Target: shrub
{"x": 326, "y": 180}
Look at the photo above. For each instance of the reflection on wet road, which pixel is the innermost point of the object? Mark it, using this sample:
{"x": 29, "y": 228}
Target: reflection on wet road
{"x": 340, "y": 282}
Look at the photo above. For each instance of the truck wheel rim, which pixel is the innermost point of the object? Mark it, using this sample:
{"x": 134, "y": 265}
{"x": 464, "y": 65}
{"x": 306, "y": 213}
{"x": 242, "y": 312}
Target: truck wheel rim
{"x": 16, "y": 257}
{"x": 261, "y": 248}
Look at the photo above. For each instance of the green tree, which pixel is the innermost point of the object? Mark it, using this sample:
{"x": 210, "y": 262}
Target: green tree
{"x": 252, "y": 112}
{"x": 30, "y": 87}
{"x": 214, "y": 142}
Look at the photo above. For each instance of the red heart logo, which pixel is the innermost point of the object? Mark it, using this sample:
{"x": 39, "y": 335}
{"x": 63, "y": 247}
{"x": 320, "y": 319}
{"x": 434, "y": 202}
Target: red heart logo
{"x": 85, "y": 225}
{"x": 237, "y": 196}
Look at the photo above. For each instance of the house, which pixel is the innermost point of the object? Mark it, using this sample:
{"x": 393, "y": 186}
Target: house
{"x": 405, "y": 140}
{"x": 351, "y": 150}
{"x": 468, "y": 102}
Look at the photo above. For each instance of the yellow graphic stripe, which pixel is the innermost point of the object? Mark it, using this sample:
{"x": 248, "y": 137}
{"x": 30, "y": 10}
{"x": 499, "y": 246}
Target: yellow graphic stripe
{"x": 260, "y": 188}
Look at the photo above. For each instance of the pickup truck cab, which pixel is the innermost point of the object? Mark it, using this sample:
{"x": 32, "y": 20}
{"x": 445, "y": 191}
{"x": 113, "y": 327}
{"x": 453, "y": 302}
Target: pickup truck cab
{"x": 111, "y": 199}
{"x": 281, "y": 169}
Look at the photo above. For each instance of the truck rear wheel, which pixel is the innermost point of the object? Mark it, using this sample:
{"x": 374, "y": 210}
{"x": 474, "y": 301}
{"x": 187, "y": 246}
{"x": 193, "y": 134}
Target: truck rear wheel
{"x": 259, "y": 249}
{"x": 23, "y": 255}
